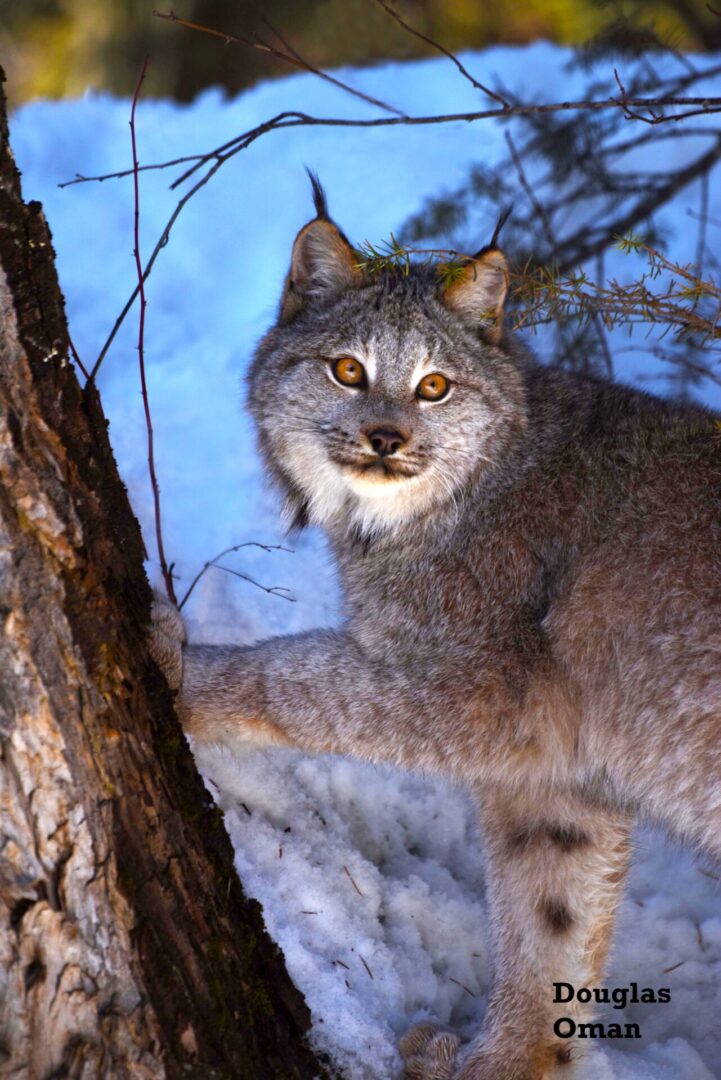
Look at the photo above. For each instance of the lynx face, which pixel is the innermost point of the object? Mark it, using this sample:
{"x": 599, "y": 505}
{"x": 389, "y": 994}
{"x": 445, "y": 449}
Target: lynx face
{"x": 379, "y": 400}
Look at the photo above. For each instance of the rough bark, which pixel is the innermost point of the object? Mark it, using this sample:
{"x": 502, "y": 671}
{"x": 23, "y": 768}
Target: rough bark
{"x": 127, "y": 947}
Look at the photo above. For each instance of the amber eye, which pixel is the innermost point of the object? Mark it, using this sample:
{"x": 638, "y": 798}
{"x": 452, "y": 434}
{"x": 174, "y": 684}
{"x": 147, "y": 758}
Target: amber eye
{"x": 349, "y": 372}
{"x": 433, "y": 387}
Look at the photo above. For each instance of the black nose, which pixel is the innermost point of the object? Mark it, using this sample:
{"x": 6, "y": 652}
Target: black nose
{"x": 386, "y": 441}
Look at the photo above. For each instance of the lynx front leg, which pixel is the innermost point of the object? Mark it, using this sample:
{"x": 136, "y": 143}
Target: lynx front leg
{"x": 319, "y": 691}
{"x": 555, "y": 870}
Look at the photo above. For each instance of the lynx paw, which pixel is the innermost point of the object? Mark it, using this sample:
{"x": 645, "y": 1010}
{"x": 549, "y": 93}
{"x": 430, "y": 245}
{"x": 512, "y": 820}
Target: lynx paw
{"x": 429, "y": 1052}
{"x": 166, "y": 639}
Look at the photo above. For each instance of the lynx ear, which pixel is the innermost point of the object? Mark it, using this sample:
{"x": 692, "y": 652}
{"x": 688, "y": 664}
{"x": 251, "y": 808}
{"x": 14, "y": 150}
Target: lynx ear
{"x": 478, "y": 296}
{"x": 321, "y": 266}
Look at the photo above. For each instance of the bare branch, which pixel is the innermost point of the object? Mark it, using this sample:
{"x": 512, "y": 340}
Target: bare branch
{"x": 80, "y": 179}
{"x": 708, "y": 106}
{"x": 272, "y": 590}
{"x": 76, "y": 357}
{"x": 589, "y": 242}
{"x": 540, "y": 211}
{"x": 536, "y": 205}
{"x": 290, "y": 57}
{"x": 165, "y": 236}
{"x": 167, "y": 575}
{"x": 221, "y": 554}
{"x": 703, "y": 225}
{"x": 442, "y": 49}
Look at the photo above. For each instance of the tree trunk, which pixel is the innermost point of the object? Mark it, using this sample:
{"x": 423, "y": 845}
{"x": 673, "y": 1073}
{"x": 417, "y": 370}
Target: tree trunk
{"x": 127, "y": 947}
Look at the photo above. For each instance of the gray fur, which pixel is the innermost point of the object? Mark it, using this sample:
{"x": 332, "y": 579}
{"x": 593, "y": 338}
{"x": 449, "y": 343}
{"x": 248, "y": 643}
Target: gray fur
{"x": 532, "y": 602}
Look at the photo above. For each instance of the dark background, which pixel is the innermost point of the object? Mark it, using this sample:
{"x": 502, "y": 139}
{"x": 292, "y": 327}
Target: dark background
{"x": 58, "y": 48}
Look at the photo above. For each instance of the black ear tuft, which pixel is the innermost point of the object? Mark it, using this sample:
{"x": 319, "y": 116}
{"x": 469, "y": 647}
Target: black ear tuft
{"x": 319, "y": 200}
{"x": 502, "y": 219}
{"x": 493, "y": 245}
{"x": 323, "y": 264}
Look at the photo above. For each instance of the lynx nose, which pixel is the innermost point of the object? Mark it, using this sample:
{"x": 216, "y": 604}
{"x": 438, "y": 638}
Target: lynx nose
{"x": 386, "y": 441}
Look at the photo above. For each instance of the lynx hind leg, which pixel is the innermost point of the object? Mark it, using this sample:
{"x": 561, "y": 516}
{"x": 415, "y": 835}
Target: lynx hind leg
{"x": 429, "y": 1052}
{"x": 555, "y": 870}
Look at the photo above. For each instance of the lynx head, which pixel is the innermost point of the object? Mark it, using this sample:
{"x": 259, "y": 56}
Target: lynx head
{"x": 382, "y": 397}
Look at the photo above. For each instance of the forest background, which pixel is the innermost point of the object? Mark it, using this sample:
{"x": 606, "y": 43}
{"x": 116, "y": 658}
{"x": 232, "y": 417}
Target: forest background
{"x": 57, "y": 48}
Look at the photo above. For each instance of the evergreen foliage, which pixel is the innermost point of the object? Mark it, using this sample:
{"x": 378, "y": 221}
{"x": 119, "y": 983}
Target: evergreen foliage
{"x": 583, "y": 183}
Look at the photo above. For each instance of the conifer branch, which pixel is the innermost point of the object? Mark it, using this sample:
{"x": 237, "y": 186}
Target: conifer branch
{"x": 541, "y": 294}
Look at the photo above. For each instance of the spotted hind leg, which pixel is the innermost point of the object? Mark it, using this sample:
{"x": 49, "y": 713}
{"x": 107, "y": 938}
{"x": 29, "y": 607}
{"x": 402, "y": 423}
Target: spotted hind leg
{"x": 555, "y": 871}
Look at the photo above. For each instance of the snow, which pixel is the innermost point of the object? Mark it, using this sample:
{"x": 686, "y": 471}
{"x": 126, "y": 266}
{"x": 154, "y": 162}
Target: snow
{"x": 371, "y": 881}
{"x": 374, "y": 867}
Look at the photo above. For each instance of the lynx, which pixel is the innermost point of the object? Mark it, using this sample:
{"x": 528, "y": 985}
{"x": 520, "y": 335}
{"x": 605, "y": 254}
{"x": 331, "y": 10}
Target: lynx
{"x": 531, "y": 563}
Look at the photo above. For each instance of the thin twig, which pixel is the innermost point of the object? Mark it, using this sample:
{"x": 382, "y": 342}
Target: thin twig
{"x": 582, "y": 246}
{"x": 442, "y": 49}
{"x": 228, "y": 551}
{"x": 673, "y": 967}
{"x": 542, "y": 215}
{"x": 710, "y": 288}
{"x": 76, "y": 357}
{"x": 700, "y": 937}
{"x": 167, "y": 575}
{"x": 164, "y": 237}
{"x": 294, "y": 55}
{"x": 670, "y": 358}
{"x": 291, "y": 57}
{"x": 710, "y": 106}
{"x": 250, "y": 137}
{"x": 710, "y": 220}
{"x": 530, "y": 194}
{"x": 658, "y": 197}
{"x": 703, "y": 224}
{"x": 272, "y": 590}
{"x": 598, "y": 323}
{"x": 80, "y": 179}
{"x": 370, "y": 973}
{"x": 352, "y": 881}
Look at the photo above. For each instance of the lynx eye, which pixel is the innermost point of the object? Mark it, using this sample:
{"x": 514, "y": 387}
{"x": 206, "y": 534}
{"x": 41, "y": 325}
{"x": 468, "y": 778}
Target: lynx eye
{"x": 433, "y": 387}
{"x": 349, "y": 372}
